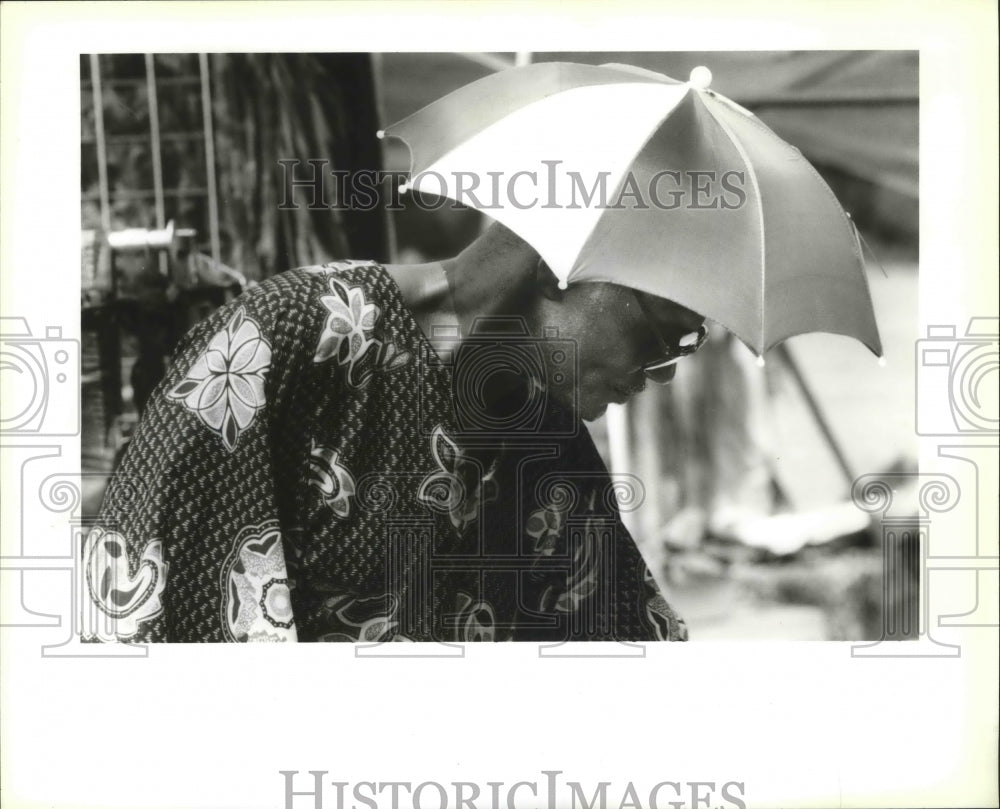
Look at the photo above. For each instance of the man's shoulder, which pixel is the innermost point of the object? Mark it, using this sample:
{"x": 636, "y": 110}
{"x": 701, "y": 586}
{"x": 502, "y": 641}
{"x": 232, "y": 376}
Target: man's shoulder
{"x": 293, "y": 287}
{"x": 348, "y": 271}
{"x": 343, "y": 265}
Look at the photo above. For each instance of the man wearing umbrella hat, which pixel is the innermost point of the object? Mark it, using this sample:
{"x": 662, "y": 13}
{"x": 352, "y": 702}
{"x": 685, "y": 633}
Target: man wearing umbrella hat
{"x": 370, "y": 453}
{"x": 623, "y": 338}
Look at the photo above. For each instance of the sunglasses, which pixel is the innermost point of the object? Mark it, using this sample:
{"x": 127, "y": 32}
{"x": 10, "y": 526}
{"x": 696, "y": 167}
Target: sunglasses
{"x": 660, "y": 371}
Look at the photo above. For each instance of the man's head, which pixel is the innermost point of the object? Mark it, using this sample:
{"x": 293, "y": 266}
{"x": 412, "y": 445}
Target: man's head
{"x": 622, "y": 338}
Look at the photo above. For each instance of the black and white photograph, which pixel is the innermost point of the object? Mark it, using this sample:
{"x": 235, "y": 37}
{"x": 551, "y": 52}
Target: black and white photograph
{"x": 422, "y": 388}
{"x": 418, "y": 283}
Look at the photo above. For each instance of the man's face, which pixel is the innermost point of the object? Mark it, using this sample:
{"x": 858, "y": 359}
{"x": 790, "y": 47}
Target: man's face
{"x": 615, "y": 337}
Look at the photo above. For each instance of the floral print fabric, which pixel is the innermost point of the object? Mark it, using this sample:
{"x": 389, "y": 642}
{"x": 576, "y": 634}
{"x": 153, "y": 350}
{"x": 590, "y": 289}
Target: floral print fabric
{"x": 225, "y": 386}
{"x": 300, "y": 475}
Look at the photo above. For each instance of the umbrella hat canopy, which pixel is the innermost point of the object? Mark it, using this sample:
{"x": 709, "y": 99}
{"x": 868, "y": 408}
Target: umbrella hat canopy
{"x": 619, "y": 174}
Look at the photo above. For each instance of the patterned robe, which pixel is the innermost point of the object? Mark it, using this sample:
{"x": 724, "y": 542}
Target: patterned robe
{"x": 312, "y": 468}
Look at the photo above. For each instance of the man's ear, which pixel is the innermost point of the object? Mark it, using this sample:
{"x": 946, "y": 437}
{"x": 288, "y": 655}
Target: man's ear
{"x": 546, "y": 281}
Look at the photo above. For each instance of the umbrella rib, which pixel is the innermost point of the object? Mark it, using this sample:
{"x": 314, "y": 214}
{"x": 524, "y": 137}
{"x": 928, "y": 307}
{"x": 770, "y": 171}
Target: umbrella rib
{"x": 760, "y": 213}
{"x": 618, "y": 187}
{"x": 621, "y": 181}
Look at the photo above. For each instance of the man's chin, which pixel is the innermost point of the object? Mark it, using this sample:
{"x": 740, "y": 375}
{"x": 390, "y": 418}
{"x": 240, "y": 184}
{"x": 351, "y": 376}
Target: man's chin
{"x": 587, "y": 407}
{"x": 592, "y": 411}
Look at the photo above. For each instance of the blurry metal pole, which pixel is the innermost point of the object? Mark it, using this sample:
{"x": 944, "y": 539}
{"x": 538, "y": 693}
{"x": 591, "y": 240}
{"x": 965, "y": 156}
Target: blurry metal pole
{"x": 814, "y": 409}
{"x": 213, "y": 192}
{"x": 377, "y": 84}
{"x": 156, "y": 154}
{"x": 109, "y": 343}
{"x": 621, "y": 462}
{"x": 646, "y": 418}
{"x": 102, "y": 153}
{"x": 619, "y": 451}
{"x": 646, "y": 522}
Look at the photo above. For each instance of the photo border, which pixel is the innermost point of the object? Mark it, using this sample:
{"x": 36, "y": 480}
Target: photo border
{"x": 800, "y": 724}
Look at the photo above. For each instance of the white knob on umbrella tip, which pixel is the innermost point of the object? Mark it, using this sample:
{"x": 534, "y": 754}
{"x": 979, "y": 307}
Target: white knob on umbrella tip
{"x": 701, "y": 77}
{"x": 760, "y": 362}
{"x": 380, "y": 134}
{"x": 881, "y": 362}
{"x": 404, "y": 187}
{"x": 563, "y": 285}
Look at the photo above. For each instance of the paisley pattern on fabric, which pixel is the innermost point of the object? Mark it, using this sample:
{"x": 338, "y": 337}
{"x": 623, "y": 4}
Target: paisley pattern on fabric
{"x": 346, "y": 336}
{"x": 225, "y": 386}
{"x": 660, "y": 616}
{"x": 476, "y": 620}
{"x": 586, "y": 570}
{"x": 456, "y": 487}
{"x": 368, "y": 620}
{"x": 256, "y": 598}
{"x": 331, "y": 479}
{"x": 125, "y": 595}
{"x": 545, "y": 526}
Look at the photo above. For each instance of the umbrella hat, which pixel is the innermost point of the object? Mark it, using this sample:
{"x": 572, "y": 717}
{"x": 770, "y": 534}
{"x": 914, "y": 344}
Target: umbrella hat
{"x": 618, "y": 174}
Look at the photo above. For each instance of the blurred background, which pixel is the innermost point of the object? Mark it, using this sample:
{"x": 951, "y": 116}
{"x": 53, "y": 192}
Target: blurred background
{"x": 747, "y": 520}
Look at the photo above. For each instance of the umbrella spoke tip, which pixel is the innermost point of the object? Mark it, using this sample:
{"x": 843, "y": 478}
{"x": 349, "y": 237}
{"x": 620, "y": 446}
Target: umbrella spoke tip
{"x": 760, "y": 361}
{"x": 881, "y": 362}
{"x": 701, "y": 77}
{"x": 380, "y": 134}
